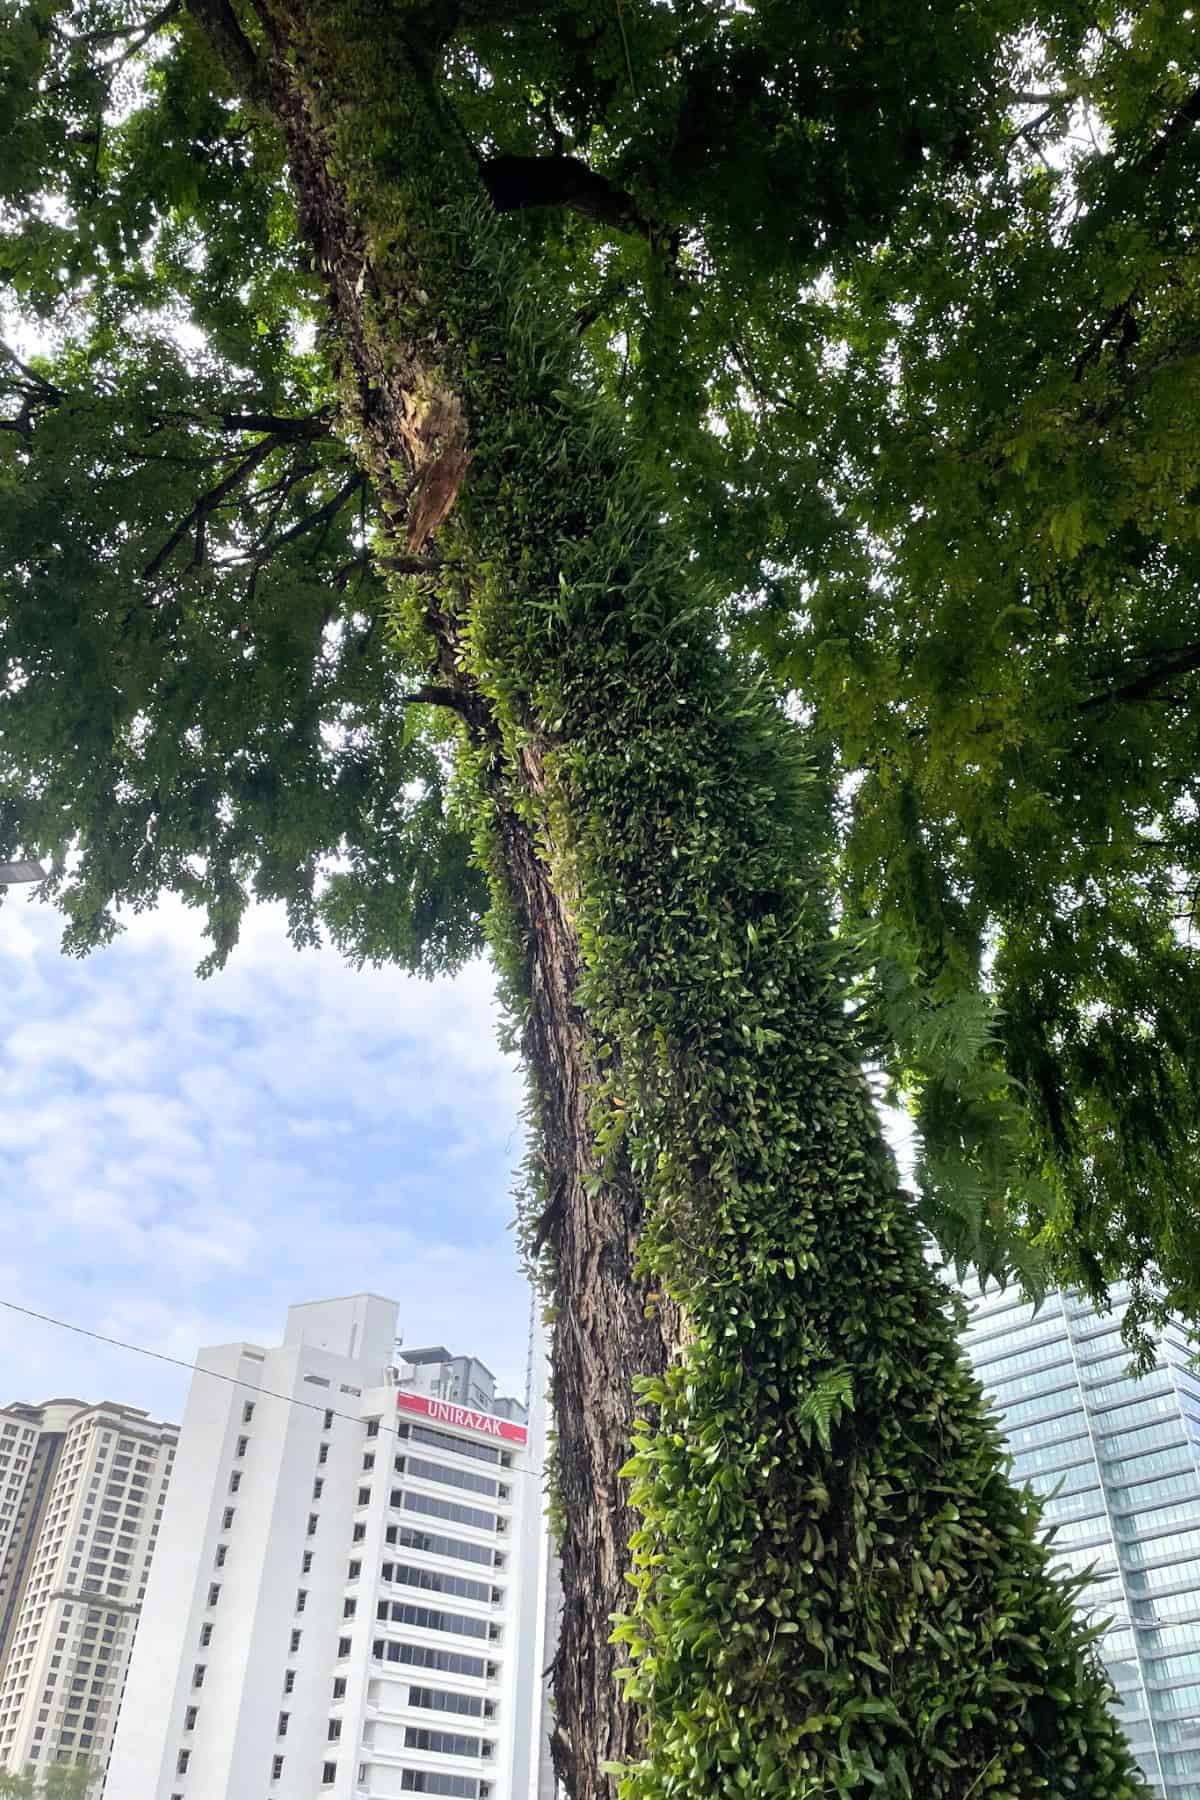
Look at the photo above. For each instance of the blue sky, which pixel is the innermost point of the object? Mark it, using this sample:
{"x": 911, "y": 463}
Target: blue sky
{"x": 181, "y": 1159}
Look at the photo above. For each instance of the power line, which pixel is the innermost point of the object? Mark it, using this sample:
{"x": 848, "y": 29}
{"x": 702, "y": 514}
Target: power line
{"x": 195, "y": 1368}
{"x": 177, "y": 1361}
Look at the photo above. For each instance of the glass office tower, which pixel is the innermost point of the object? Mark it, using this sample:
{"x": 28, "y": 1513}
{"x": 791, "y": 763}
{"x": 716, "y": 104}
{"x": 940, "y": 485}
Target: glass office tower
{"x": 1117, "y": 1461}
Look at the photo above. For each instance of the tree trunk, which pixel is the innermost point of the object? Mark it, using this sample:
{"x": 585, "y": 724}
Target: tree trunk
{"x": 604, "y": 1333}
{"x": 834, "y": 1589}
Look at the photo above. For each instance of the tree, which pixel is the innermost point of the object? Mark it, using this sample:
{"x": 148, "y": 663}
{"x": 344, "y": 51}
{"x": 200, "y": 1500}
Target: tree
{"x": 1000, "y": 639}
{"x": 61, "y": 1781}
{"x": 219, "y": 678}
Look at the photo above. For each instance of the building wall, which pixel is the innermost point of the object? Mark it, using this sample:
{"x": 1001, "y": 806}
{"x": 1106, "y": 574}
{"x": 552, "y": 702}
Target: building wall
{"x": 84, "y": 1488}
{"x": 537, "y": 1624}
{"x": 273, "y": 1590}
{"x": 1116, "y": 1461}
{"x": 30, "y": 1444}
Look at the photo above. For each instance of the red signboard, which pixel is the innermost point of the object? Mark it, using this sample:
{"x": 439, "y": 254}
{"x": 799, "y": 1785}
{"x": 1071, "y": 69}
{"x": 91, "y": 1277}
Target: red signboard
{"x": 463, "y": 1418}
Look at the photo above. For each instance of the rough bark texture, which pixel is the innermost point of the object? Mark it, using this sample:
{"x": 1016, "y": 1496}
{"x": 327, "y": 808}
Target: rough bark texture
{"x": 602, "y": 1335}
{"x": 605, "y": 1331}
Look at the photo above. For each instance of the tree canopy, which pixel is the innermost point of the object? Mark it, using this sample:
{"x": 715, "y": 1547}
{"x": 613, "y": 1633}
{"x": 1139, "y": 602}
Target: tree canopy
{"x": 903, "y": 310}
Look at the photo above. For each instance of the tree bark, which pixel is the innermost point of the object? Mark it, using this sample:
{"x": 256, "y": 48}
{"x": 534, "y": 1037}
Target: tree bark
{"x": 602, "y": 1337}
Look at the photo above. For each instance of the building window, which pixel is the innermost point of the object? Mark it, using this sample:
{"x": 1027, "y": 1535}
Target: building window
{"x": 205, "y": 1636}
{"x": 335, "y": 1730}
{"x": 312, "y": 1524}
{"x": 235, "y": 1481}
{"x": 329, "y": 1418}
{"x": 442, "y": 1700}
{"x": 445, "y": 1743}
{"x": 301, "y": 1599}
{"x": 276, "y": 1767}
{"x": 349, "y": 1608}
{"x": 354, "y": 1571}
{"x": 289, "y": 1681}
{"x": 227, "y": 1519}
{"x": 368, "y": 1459}
{"x": 318, "y": 1488}
{"x": 323, "y": 1454}
{"x": 424, "y": 1781}
{"x": 359, "y": 1533}
{"x": 242, "y": 1446}
{"x": 198, "y": 1676}
{"x": 328, "y": 1774}
{"x": 306, "y": 1562}
{"x": 281, "y": 1728}
{"x": 222, "y": 1553}
{"x": 214, "y": 1592}
{"x": 295, "y": 1642}
{"x": 339, "y": 1687}
{"x": 247, "y": 1412}
{"x": 181, "y": 1765}
{"x": 189, "y": 1718}
{"x": 437, "y": 1508}
{"x": 343, "y": 1647}
{"x": 364, "y": 1496}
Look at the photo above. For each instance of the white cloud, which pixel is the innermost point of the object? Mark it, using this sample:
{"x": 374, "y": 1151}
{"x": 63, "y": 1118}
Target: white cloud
{"x": 183, "y": 1159}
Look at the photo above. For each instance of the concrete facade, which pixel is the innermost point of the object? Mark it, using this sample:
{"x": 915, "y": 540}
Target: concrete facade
{"x": 82, "y": 1491}
{"x": 346, "y": 1586}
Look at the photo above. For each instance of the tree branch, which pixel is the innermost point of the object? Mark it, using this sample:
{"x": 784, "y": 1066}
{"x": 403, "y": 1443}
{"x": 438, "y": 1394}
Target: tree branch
{"x": 1174, "y": 357}
{"x": 411, "y": 565}
{"x": 1122, "y": 317}
{"x": 1142, "y": 686}
{"x": 299, "y": 430}
{"x": 222, "y": 27}
{"x": 517, "y": 182}
{"x": 437, "y": 696}
{"x": 497, "y": 12}
{"x": 321, "y": 515}
{"x": 46, "y": 388}
{"x": 141, "y": 31}
{"x": 1188, "y": 114}
{"x": 208, "y": 503}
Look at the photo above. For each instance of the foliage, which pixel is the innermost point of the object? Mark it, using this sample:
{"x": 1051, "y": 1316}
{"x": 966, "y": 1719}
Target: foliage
{"x": 1002, "y": 644}
{"x": 198, "y": 694}
{"x": 675, "y": 392}
{"x": 61, "y": 1781}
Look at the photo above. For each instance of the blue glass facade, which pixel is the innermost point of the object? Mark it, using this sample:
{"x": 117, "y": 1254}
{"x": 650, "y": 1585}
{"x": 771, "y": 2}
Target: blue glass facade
{"x": 1117, "y": 1462}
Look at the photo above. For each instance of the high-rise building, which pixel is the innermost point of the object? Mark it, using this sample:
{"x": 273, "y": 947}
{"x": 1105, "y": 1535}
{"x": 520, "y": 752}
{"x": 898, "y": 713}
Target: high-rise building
{"x": 81, "y": 1497}
{"x": 338, "y": 1608}
{"x": 1116, "y": 1460}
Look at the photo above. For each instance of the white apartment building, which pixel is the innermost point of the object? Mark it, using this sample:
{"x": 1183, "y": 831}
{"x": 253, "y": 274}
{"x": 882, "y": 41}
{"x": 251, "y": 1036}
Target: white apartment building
{"x": 81, "y": 1497}
{"x": 348, "y": 1599}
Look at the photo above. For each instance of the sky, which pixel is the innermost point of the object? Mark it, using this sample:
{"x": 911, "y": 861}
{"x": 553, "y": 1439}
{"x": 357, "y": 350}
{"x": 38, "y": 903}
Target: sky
{"x": 181, "y": 1159}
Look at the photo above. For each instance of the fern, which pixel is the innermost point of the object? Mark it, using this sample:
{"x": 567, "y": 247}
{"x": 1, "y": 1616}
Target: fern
{"x": 977, "y": 1180}
{"x": 823, "y": 1405}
